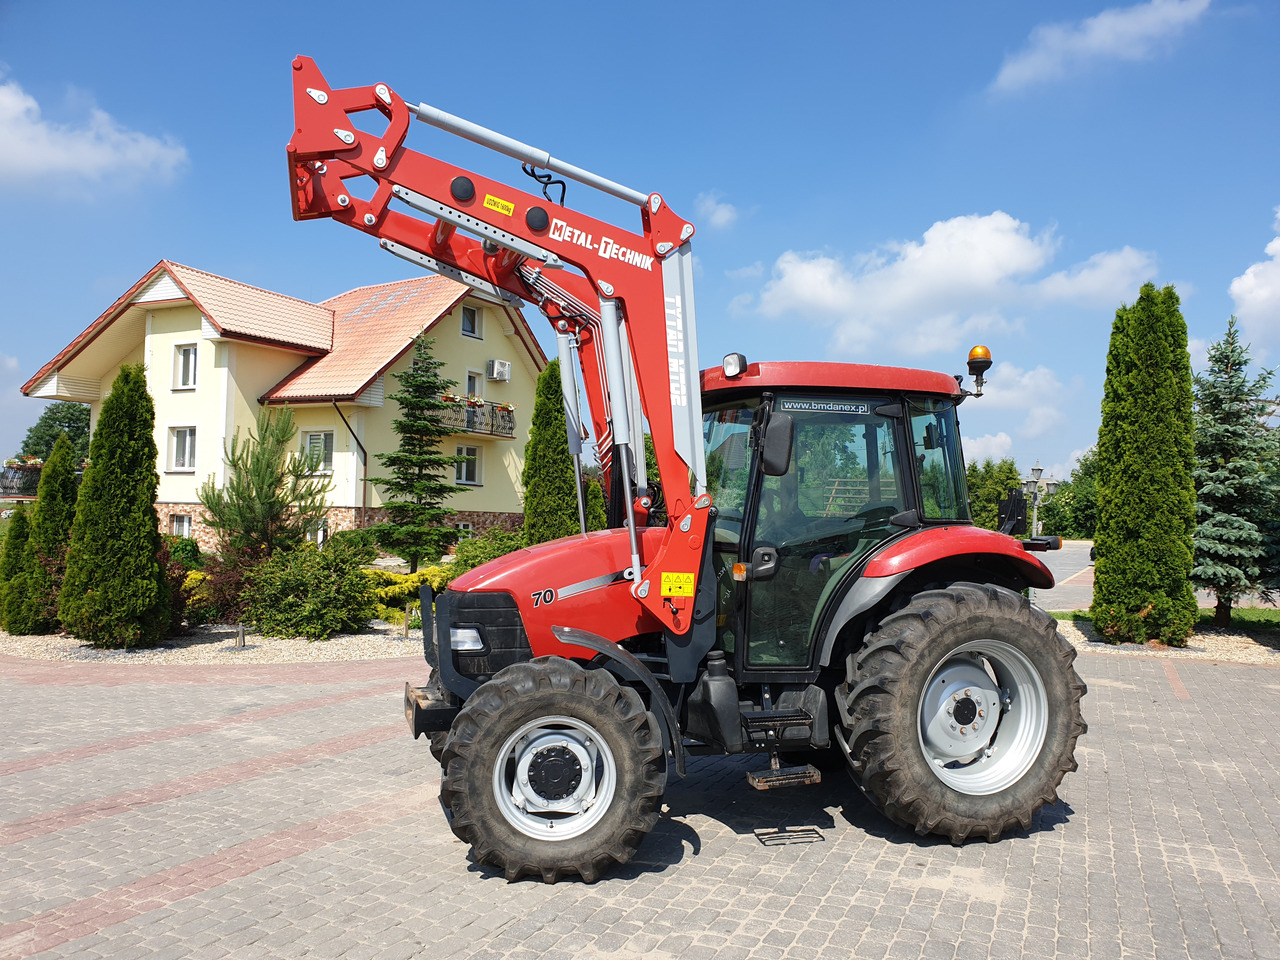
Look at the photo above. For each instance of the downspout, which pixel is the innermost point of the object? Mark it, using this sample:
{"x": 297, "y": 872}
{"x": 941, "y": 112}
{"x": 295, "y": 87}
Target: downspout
{"x": 364, "y": 463}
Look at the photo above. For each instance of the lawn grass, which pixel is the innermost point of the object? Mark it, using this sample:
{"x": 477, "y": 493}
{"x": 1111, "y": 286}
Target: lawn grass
{"x": 1247, "y": 618}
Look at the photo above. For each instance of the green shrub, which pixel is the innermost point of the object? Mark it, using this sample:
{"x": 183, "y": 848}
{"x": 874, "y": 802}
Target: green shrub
{"x": 115, "y": 593}
{"x": 490, "y": 545}
{"x": 15, "y": 542}
{"x": 360, "y": 542}
{"x": 45, "y": 554}
{"x": 198, "y": 601}
{"x": 310, "y": 593}
{"x": 185, "y": 550}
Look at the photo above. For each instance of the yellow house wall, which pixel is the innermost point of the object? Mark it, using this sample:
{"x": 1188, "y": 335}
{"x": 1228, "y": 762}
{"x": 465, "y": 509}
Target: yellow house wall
{"x": 501, "y": 460}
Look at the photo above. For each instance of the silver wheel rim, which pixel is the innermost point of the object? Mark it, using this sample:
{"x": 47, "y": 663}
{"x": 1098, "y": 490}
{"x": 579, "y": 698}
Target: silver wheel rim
{"x": 983, "y": 717}
{"x": 569, "y": 809}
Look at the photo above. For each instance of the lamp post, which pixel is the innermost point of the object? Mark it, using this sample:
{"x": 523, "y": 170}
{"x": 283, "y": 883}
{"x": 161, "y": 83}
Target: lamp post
{"x": 1031, "y": 487}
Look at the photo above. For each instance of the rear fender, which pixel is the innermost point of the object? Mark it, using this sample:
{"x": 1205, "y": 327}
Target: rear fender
{"x": 937, "y": 555}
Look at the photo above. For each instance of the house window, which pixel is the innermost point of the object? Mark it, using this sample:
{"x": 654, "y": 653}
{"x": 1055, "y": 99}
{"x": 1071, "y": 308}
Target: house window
{"x": 184, "y": 366}
{"x": 319, "y": 443}
{"x": 467, "y": 470}
{"x": 318, "y": 533}
{"x": 180, "y": 525}
{"x": 182, "y": 449}
{"x": 474, "y": 414}
{"x": 471, "y": 322}
{"x": 466, "y": 529}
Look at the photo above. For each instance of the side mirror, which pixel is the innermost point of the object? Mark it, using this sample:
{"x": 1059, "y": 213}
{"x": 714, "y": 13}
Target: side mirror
{"x": 775, "y": 454}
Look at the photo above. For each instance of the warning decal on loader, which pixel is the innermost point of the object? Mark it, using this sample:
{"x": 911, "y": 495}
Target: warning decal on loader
{"x": 502, "y": 206}
{"x": 677, "y": 584}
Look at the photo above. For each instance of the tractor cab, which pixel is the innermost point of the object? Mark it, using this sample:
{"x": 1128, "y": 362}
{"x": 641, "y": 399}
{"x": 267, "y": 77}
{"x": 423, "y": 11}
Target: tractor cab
{"x": 813, "y": 467}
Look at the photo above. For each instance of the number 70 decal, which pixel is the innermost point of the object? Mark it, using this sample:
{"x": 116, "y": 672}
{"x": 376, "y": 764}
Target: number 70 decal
{"x": 543, "y": 596}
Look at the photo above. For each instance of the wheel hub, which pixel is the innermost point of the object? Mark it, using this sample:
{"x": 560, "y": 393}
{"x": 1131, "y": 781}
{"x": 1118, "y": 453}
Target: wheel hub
{"x": 983, "y": 717}
{"x": 554, "y": 773}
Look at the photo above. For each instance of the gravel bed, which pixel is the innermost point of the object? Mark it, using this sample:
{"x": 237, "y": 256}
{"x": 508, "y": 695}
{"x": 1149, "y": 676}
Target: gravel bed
{"x": 1237, "y": 646}
{"x": 216, "y": 644}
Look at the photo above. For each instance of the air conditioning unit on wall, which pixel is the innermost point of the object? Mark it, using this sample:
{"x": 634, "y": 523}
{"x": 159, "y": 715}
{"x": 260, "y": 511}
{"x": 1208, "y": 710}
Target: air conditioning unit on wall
{"x": 499, "y": 370}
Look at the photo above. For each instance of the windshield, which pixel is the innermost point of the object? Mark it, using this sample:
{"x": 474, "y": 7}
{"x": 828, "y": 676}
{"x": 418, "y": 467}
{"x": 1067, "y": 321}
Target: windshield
{"x": 936, "y": 435}
{"x": 726, "y": 435}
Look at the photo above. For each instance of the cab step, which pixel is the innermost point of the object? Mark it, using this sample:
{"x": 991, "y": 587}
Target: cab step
{"x": 773, "y": 778}
{"x": 773, "y": 722}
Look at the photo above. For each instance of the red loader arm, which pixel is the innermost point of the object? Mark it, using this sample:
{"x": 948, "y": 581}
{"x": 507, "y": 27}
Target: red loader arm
{"x": 622, "y": 295}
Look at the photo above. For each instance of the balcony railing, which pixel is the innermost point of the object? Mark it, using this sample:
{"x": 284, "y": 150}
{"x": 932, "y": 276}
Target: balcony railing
{"x": 489, "y": 420}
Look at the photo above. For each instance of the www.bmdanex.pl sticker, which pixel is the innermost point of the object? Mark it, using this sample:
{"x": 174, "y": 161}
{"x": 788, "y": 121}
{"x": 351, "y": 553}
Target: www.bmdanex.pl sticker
{"x": 825, "y": 406}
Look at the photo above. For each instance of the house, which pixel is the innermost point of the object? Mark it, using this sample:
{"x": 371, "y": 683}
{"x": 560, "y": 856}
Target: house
{"x": 216, "y": 351}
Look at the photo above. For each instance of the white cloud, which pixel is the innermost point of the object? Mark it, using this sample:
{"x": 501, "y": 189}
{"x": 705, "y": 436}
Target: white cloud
{"x": 749, "y": 272}
{"x": 1276, "y": 223}
{"x": 1256, "y": 293}
{"x": 1199, "y": 350}
{"x": 1098, "y": 280}
{"x": 990, "y": 446}
{"x": 1062, "y": 471}
{"x": 33, "y": 148}
{"x": 953, "y": 284}
{"x": 717, "y": 214}
{"x": 1031, "y": 391}
{"x": 1055, "y": 50}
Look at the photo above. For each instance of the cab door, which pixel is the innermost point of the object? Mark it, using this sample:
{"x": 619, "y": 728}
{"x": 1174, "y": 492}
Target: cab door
{"x": 844, "y": 482}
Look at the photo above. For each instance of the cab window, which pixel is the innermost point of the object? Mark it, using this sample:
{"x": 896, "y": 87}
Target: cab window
{"x": 935, "y": 433}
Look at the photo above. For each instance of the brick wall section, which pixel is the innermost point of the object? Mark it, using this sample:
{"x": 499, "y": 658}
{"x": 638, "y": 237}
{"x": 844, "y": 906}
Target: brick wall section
{"x": 340, "y": 518}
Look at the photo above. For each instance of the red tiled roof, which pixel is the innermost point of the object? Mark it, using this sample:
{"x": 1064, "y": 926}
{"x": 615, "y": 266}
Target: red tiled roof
{"x": 238, "y": 309}
{"x": 373, "y": 327}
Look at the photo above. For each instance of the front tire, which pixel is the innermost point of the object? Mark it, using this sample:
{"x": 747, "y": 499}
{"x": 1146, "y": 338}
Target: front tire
{"x": 552, "y": 770}
{"x": 960, "y": 715}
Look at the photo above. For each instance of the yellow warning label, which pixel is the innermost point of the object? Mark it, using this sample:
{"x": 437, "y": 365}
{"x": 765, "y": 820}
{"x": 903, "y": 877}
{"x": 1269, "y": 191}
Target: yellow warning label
{"x": 677, "y": 584}
{"x": 502, "y": 206}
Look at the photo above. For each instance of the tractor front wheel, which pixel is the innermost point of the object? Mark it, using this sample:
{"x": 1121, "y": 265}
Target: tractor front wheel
{"x": 552, "y": 770}
{"x": 960, "y": 715}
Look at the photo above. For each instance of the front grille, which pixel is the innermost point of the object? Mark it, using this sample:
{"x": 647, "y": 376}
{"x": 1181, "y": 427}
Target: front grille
{"x": 497, "y": 618}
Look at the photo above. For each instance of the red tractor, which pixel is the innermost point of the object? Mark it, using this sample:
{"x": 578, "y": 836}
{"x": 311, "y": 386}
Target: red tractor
{"x": 817, "y": 591}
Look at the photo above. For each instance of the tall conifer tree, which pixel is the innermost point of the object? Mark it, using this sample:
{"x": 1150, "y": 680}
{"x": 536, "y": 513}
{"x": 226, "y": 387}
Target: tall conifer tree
{"x": 418, "y": 485}
{"x": 15, "y": 543}
{"x": 1146, "y": 452}
{"x": 45, "y": 555}
{"x": 550, "y": 503}
{"x": 115, "y": 592}
{"x": 1235, "y": 454}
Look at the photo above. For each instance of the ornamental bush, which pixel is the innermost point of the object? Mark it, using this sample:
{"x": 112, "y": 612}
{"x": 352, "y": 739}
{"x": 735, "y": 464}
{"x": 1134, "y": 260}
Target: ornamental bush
{"x": 1146, "y": 500}
{"x": 34, "y": 606}
{"x": 490, "y": 545}
{"x": 309, "y": 592}
{"x": 185, "y": 550}
{"x": 15, "y": 542}
{"x": 550, "y": 501}
{"x": 115, "y": 592}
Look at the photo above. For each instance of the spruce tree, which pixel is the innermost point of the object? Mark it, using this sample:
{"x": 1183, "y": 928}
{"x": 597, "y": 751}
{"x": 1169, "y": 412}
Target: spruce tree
{"x": 550, "y": 503}
{"x": 115, "y": 592}
{"x": 1234, "y": 493}
{"x": 44, "y": 558}
{"x": 1146, "y": 453}
{"x": 272, "y": 496}
{"x": 15, "y": 543}
{"x": 415, "y": 492}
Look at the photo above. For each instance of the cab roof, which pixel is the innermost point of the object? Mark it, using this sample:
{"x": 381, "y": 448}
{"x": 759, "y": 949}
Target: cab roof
{"x": 803, "y": 375}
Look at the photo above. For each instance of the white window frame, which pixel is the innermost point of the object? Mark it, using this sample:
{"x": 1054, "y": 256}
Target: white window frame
{"x": 466, "y": 529}
{"x": 474, "y": 459}
{"x": 180, "y": 524}
{"x": 306, "y": 446}
{"x": 178, "y": 351}
{"x": 477, "y": 332}
{"x": 189, "y": 445}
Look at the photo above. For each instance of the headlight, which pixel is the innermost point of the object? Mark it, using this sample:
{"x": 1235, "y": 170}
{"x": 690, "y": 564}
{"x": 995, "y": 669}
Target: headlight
{"x": 465, "y": 639}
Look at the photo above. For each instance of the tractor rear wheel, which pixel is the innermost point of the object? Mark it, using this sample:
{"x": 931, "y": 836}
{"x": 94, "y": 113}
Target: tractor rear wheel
{"x": 960, "y": 715}
{"x": 552, "y": 770}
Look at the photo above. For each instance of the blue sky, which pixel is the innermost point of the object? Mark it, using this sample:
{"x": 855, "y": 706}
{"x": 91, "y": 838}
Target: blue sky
{"x": 884, "y": 183}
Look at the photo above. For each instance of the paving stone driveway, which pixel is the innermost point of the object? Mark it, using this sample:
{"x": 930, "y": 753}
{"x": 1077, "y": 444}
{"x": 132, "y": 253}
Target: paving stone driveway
{"x": 206, "y": 812}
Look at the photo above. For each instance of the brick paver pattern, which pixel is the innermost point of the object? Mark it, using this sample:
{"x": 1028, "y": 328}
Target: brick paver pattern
{"x": 284, "y": 812}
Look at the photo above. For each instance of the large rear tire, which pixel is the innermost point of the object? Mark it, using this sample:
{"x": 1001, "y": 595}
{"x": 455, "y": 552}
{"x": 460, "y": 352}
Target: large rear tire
{"x": 552, "y": 770}
{"x": 960, "y": 715}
